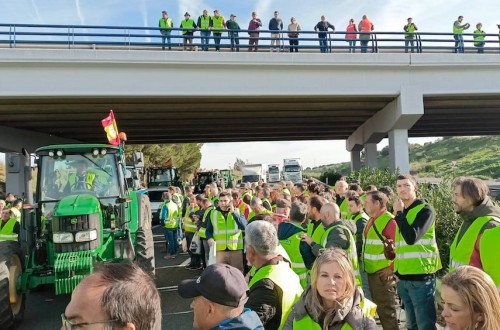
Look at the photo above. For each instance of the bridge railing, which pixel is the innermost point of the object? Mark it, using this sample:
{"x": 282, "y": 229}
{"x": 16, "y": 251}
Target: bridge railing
{"x": 130, "y": 37}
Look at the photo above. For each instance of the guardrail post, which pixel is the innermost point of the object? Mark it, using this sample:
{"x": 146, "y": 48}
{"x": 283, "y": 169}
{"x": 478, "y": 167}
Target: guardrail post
{"x": 12, "y": 37}
{"x": 69, "y": 37}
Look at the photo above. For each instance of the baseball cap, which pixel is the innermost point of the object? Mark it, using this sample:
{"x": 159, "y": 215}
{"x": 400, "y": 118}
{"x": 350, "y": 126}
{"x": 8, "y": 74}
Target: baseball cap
{"x": 187, "y": 14}
{"x": 220, "y": 283}
{"x": 282, "y": 203}
{"x": 232, "y": 15}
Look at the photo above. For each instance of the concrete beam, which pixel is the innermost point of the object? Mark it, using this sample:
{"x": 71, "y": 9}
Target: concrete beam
{"x": 371, "y": 155}
{"x": 403, "y": 112}
{"x": 14, "y": 139}
{"x": 399, "y": 151}
{"x": 355, "y": 160}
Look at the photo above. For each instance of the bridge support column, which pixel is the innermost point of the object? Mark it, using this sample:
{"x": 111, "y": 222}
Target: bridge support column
{"x": 395, "y": 119}
{"x": 15, "y": 177}
{"x": 371, "y": 155}
{"x": 355, "y": 160}
{"x": 399, "y": 151}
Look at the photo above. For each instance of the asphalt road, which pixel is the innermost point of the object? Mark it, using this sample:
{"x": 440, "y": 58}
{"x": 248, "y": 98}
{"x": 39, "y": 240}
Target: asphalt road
{"x": 43, "y": 308}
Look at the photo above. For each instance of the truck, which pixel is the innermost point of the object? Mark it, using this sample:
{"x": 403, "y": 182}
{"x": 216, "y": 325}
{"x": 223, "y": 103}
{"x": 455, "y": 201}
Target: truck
{"x": 253, "y": 173}
{"x": 82, "y": 212}
{"x": 292, "y": 170}
{"x": 273, "y": 173}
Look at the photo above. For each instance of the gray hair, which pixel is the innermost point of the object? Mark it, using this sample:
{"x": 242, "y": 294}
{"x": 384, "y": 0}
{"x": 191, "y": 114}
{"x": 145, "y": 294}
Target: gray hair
{"x": 262, "y": 236}
{"x": 256, "y": 201}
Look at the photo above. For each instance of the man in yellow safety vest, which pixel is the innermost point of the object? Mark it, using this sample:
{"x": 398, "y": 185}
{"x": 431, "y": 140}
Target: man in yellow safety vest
{"x": 476, "y": 242}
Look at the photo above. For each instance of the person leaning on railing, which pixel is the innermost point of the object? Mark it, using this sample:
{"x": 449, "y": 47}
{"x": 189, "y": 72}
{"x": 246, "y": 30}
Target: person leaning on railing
{"x": 351, "y": 35}
{"x": 188, "y": 25}
{"x": 365, "y": 26}
{"x": 165, "y": 24}
{"x": 293, "y": 35}
{"x": 458, "y": 30}
{"x": 233, "y": 28}
{"x": 410, "y": 29}
{"x": 322, "y": 29}
{"x": 479, "y": 36}
{"x": 253, "y": 28}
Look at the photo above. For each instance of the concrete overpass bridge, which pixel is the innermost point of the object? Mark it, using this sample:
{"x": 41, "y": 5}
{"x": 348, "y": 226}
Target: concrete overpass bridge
{"x": 60, "y": 95}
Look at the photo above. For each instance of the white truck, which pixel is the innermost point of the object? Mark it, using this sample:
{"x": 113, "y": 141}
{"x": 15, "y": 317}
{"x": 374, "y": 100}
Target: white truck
{"x": 253, "y": 173}
{"x": 292, "y": 170}
{"x": 273, "y": 173}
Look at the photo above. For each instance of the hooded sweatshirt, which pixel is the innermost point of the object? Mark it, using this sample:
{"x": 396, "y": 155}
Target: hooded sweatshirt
{"x": 287, "y": 230}
{"x": 351, "y": 313}
{"x": 248, "y": 320}
{"x": 487, "y": 207}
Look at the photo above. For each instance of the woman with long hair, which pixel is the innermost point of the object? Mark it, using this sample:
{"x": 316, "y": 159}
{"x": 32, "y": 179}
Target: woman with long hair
{"x": 332, "y": 301}
{"x": 470, "y": 299}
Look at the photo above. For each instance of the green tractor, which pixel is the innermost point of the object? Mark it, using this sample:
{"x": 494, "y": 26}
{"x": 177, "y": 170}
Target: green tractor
{"x": 162, "y": 176}
{"x": 83, "y": 213}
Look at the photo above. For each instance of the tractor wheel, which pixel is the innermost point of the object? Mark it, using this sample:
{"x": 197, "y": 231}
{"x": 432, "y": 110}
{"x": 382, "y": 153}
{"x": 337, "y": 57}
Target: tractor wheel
{"x": 145, "y": 250}
{"x": 12, "y": 303}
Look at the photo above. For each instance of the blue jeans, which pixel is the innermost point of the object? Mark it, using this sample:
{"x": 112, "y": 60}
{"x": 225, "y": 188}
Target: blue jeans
{"x": 217, "y": 38}
{"x": 409, "y": 42}
{"x": 364, "y": 280}
{"x": 171, "y": 239}
{"x": 352, "y": 45}
{"x": 480, "y": 47}
{"x": 205, "y": 39}
{"x": 364, "y": 46}
{"x": 322, "y": 44}
{"x": 419, "y": 303}
{"x": 166, "y": 35}
{"x": 459, "y": 43}
{"x": 235, "y": 41}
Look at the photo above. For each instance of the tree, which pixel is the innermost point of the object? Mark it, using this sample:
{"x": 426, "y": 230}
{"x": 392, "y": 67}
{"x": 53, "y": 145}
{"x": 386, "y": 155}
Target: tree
{"x": 185, "y": 157}
{"x": 238, "y": 163}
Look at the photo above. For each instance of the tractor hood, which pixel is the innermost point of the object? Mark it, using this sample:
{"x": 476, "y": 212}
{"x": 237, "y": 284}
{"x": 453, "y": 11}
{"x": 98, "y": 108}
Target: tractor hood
{"x": 76, "y": 205}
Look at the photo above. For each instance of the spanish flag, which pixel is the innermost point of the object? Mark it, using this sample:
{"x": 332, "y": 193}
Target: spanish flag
{"x": 110, "y": 128}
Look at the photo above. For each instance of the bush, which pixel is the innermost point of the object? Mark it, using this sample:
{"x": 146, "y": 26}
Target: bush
{"x": 377, "y": 177}
{"x": 447, "y": 221}
{"x": 331, "y": 175}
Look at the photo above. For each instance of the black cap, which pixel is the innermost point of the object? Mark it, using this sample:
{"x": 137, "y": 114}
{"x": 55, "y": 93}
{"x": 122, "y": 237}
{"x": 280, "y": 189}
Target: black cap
{"x": 187, "y": 14}
{"x": 220, "y": 283}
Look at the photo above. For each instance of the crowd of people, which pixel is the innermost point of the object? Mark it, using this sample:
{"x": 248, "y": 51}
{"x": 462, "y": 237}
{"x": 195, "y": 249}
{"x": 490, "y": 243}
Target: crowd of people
{"x": 11, "y": 209}
{"x": 217, "y": 24}
{"x": 317, "y": 257}
{"x": 307, "y": 256}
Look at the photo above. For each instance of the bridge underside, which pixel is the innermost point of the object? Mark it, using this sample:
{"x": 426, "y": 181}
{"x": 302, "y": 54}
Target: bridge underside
{"x": 152, "y": 120}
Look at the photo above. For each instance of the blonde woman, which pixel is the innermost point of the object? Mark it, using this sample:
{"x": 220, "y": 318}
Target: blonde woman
{"x": 332, "y": 301}
{"x": 470, "y": 299}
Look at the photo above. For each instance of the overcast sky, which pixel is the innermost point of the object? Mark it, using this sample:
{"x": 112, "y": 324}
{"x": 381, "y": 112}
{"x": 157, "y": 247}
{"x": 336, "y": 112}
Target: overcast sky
{"x": 387, "y": 15}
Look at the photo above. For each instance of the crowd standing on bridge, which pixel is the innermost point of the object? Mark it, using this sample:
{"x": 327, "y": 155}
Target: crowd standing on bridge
{"x": 217, "y": 25}
{"x": 321, "y": 257}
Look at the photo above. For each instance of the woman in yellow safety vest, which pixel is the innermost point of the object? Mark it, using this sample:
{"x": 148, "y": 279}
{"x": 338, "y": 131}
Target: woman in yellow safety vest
{"x": 332, "y": 301}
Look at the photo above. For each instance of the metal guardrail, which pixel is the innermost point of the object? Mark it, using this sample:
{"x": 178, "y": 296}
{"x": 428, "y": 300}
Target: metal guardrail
{"x": 130, "y": 37}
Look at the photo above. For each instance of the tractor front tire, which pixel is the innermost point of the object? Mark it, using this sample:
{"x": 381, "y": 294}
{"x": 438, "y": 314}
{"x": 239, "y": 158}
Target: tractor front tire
{"x": 145, "y": 250}
{"x": 12, "y": 303}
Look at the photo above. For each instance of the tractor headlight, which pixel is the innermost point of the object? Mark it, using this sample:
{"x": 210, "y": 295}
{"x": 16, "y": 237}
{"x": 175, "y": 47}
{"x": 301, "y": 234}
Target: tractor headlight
{"x": 62, "y": 238}
{"x": 86, "y": 236}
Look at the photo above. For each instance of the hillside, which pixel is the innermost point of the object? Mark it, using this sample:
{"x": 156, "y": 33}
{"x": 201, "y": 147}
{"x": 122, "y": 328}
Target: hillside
{"x": 473, "y": 156}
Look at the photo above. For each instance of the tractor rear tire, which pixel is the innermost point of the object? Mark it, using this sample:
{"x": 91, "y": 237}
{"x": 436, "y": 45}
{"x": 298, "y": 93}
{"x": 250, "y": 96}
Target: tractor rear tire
{"x": 12, "y": 303}
{"x": 145, "y": 250}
